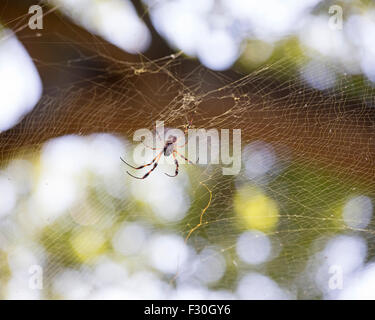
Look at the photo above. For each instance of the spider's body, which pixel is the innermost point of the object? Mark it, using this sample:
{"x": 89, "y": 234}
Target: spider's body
{"x": 170, "y": 148}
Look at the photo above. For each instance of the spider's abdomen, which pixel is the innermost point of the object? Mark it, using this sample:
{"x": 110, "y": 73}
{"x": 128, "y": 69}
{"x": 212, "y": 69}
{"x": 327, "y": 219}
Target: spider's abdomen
{"x": 168, "y": 149}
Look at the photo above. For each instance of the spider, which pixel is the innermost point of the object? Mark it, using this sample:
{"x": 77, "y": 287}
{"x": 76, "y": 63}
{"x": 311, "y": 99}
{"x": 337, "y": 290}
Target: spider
{"x": 170, "y": 148}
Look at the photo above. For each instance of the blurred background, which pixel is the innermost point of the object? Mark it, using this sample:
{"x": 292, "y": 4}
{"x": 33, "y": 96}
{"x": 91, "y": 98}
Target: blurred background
{"x": 76, "y": 81}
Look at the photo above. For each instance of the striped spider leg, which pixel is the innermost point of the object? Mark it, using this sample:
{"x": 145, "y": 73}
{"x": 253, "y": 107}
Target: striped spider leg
{"x": 154, "y": 161}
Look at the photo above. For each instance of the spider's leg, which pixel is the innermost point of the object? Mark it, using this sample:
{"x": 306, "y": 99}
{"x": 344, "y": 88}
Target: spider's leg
{"x": 187, "y": 127}
{"x": 186, "y": 158}
{"x": 145, "y": 165}
{"x": 176, "y": 162}
{"x": 148, "y": 172}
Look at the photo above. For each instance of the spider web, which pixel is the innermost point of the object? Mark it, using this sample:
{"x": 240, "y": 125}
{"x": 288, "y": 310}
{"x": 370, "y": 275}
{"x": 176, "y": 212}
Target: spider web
{"x": 323, "y": 140}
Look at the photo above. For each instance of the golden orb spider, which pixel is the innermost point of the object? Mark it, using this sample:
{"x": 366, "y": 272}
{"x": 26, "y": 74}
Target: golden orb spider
{"x": 170, "y": 148}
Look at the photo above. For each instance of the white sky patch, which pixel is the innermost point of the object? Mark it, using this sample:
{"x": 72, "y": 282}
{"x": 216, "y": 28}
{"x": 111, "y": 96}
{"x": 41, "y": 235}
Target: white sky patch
{"x": 360, "y": 30}
{"x": 55, "y": 194}
{"x": 360, "y": 286}
{"x": 352, "y": 48}
{"x": 181, "y": 26}
{"x": 71, "y": 284}
{"x": 270, "y": 19}
{"x": 319, "y": 36}
{"x": 256, "y": 286}
{"x": 357, "y": 212}
{"x": 214, "y": 31}
{"x": 129, "y": 239}
{"x": 166, "y": 196}
{"x": 19, "y": 171}
{"x": 8, "y": 197}
{"x": 104, "y": 151}
{"x": 217, "y": 50}
{"x": 220, "y": 295}
{"x": 190, "y": 292}
{"x": 168, "y": 253}
{"x": 62, "y": 159}
{"x": 108, "y": 272}
{"x": 115, "y": 20}
{"x": 318, "y": 75}
{"x": 109, "y": 280}
{"x": 341, "y": 256}
{"x": 191, "y": 27}
{"x": 145, "y": 285}
{"x": 65, "y": 155}
{"x": 20, "y": 85}
{"x": 210, "y": 266}
{"x": 111, "y": 292}
{"x": 253, "y": 247}
{"x": 20, "y": 259}
{"x": 368, "y": 65}
{"x": 18, "y": 288}
{"x": 259, "y": 158}
{"x": 349, "y": 252}
{"x": 66, "y": 164}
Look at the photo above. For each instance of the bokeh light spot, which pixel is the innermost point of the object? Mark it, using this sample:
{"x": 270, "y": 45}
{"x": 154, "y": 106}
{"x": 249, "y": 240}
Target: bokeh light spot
{"x": 88, "y": 244}
{"x": 256, "y": 210}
